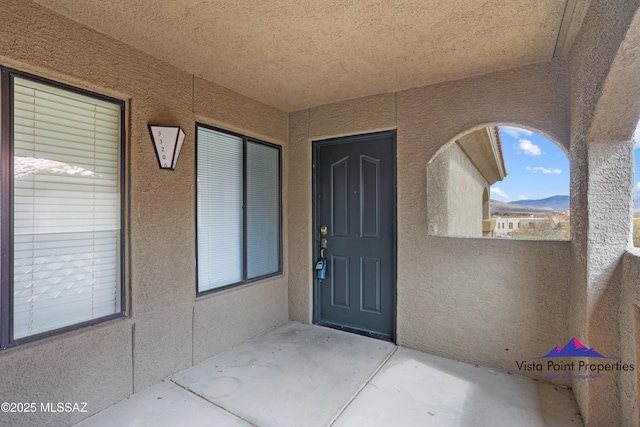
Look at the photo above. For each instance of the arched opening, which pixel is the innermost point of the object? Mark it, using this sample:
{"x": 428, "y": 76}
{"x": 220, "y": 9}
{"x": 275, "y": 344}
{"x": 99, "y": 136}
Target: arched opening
{"x": 488, "y": 226}
{"x": 499, "y": 181}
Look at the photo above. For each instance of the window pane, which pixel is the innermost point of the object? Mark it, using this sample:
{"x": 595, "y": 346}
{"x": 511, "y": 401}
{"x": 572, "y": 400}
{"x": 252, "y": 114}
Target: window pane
{"x": 219, "y": 209}
{"x": 66, "y": 208}
{"x": 263, "y": 210}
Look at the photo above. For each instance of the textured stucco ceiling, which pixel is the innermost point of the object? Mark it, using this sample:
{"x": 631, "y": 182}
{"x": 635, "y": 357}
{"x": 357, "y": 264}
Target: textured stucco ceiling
{"x": 298, "y": 54}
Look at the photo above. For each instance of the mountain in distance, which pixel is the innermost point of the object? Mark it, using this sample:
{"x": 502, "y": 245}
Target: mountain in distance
{"x": 506, "y": 208}
{"x": 574, "y": 348}
{"x": 547, "y": 205}
{"x": 539, "y": 206}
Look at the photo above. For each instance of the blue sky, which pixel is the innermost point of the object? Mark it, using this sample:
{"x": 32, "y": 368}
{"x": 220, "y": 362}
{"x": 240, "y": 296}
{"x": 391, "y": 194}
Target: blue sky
{"x": 536, "y": 167}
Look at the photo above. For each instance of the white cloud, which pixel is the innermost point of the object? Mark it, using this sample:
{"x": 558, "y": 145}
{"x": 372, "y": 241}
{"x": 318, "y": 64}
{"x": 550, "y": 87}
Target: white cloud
{"x": 636, "y": 137}
{"x": 515, "y": 132}
{"x": 496, "y": 191}
{"x": 529, "y": 148}
{"x": 638, "y": 186}
{"x": 544, "y": 170}
{"x": 523, "y": 198}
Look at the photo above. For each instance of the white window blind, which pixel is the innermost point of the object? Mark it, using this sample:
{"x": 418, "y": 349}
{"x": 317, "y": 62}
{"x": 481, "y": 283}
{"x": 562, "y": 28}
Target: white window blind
{"x": 66, "y": 208}
{"x": 220, "y": 197}
{"x": 263, "y": 210}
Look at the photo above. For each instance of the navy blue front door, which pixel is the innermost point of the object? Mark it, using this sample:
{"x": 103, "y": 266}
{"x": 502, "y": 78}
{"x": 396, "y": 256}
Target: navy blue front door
{"x": 356, "y": 202}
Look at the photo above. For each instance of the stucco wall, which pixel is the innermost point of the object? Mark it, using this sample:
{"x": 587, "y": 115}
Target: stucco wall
{"x": 630, "y": 338}
{"x": 604, "y": 105}
{"x": 454, "y": 194}
{"x": 167, "y": 329}
{"x": 490, "y": 302}
{"x": 486, "y": 301}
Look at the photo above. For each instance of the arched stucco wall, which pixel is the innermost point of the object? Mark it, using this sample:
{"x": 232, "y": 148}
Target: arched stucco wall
{"x": 562, "y": 144}
{"x": 448, "y": 287}
{"x": 484, "y": 301}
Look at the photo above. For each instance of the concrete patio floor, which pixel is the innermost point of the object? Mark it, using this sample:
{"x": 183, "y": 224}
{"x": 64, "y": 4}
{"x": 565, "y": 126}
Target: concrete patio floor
{"x": 302, "y": 375}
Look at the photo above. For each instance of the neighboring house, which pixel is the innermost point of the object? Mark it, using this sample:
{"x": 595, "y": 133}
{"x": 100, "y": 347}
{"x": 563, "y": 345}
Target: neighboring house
{"x": 111, "y": 284}
{"x": 506, "y": 226}
{"x": 459, "y": 180}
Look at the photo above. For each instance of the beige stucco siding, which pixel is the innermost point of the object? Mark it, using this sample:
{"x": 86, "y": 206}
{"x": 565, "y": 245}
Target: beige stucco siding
{"x": 486, "y": 301}
{"x": 167, "y": 328}
{"x": 454, "y": 194}
{"x": 604, "y": 111}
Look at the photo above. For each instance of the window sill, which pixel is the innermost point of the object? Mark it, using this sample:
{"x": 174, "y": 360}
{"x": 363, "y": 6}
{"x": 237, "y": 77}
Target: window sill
{"x": 237, "y": 286}
{"x": 64, "y": 334}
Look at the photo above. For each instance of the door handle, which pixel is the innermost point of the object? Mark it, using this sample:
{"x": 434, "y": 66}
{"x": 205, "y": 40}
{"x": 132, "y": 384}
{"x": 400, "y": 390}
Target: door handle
{"x": 323, "y": 241}
{"x": 321, "y": 266}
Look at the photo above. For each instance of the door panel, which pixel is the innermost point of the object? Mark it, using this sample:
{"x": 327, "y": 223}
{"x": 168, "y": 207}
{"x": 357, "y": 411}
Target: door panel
{"x": 356, "y": 200}
{"x": 340, "y": 198}
{"x": 370, "y": 282}
{"x": 369, "y": 197}
{"x": 340, "y": 289}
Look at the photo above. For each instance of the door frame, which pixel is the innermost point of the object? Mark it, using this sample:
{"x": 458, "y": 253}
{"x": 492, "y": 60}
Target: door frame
{"x": 315, "y": 238}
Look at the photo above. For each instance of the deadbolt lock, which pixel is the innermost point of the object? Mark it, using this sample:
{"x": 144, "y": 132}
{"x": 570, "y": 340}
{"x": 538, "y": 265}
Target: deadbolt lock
{"x": 323, "y": 230}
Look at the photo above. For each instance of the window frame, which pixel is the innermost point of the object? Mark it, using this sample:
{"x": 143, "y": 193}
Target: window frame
{"x": 7, "y": 76}
{"x": 245, "y": 139}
